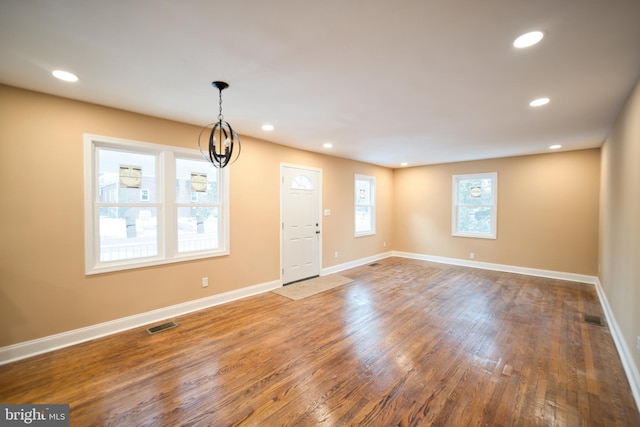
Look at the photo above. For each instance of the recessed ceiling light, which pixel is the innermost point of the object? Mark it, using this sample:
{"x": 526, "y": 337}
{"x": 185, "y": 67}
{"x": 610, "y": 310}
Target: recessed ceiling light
{"x": 267, "y": 128}
{"x": 404, "y": 164}
{"x": 555, "y": 147}
{"x": 528, "y": 39}
{"x": 539, "y": 102}
{"x": 327, "y": 145}
{"x": 65, "y": 75}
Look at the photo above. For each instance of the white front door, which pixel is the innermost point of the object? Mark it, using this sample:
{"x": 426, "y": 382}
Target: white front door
{"x": 300, "y": 223}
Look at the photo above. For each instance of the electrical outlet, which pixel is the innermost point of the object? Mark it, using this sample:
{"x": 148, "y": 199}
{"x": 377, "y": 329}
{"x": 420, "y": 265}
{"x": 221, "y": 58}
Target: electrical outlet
{"x": 205, "y": 282}
{"x": 472, "y": 255}
{"x": 638, "y": 345}
{"x": 335, "y": 255}
{"x": 384, "y": 244}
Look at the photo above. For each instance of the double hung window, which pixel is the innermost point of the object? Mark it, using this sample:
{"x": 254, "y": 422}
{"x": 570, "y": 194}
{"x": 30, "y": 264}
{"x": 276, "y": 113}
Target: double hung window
{"x": 474, "y": 208}
{"x": 365, "y": 205}
{"x": 149, "y": 204}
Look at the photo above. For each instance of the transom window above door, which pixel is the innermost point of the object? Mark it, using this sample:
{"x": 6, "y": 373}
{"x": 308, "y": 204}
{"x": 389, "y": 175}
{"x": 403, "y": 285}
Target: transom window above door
{"x": 301, "y": 182}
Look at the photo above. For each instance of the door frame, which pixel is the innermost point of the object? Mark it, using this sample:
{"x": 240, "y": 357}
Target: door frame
{"x": 319, "y": 196}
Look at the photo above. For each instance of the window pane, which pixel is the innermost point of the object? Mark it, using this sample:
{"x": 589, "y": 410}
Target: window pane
{"x": 363, "y": 192}
{"x": 128, "y": 233}
{"x": 363, "y": 219}
{"x": 110, "y": 188}
{"x": 198, "y": 228}
{"x": 475, "y": 192}
{"x": 301, "y": 182}
{"x": 204, "y": 188}
{"x": 474, "y": 219}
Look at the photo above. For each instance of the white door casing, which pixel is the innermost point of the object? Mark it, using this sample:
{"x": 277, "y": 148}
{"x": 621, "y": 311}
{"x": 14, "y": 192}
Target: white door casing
{"x": 300, "y": 222}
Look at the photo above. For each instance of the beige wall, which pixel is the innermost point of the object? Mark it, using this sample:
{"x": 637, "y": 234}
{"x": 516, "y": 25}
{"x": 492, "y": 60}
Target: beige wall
{"x": 547, "y": 218}
{"x": 43, "y": 288}
{"x": 547, "y": 211}
{"x": 620, "y": 222}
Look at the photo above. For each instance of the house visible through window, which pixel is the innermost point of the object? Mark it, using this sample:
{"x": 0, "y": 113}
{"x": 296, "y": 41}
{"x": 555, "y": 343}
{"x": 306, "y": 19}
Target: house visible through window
{"x": 198, "y": 205}
{"x": 140, "y": 207}
{"x": 365, "y": 206}
{"x": 474, "y": 209}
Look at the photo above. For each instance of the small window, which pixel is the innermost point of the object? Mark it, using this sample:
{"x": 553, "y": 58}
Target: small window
{"x": 474, "y": 208}
{"x": 365, "y": 206}
{"x": 301, "y": 182}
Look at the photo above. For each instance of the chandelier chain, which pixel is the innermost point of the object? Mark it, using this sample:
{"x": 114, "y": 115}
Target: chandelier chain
{"x": 220, "y": 116}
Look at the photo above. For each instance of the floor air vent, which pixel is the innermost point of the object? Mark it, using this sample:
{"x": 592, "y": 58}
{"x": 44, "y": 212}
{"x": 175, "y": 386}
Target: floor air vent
{"x": 594, "y": 320}
{"x": 375, "y": 264}
{"x": 160, "y": 328}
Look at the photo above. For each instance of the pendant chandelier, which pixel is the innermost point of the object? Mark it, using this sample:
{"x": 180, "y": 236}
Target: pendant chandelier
{"x": 223, "y": 139}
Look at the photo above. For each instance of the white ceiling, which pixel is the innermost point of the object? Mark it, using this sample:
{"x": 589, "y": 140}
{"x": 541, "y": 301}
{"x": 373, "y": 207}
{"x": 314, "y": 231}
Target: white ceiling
{"x": 386, "y": 82}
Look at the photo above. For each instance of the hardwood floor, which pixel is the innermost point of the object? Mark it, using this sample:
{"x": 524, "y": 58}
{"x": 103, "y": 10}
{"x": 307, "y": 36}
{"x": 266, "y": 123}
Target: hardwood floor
{"x": 406, "y": 343}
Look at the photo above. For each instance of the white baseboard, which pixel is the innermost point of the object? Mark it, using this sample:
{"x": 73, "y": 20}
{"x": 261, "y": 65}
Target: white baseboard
{"x": 572, "y": 277}
{"x": 53, "y": 342}
{"x": 356, "y": 263}
{"x": 623, "y": 350}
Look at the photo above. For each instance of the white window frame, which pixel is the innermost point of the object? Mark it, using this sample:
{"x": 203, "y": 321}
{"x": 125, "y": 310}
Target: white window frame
{"x": 493, "y": 176}
{"x": 372, "y": 205}
{"x": 166, "y": 205}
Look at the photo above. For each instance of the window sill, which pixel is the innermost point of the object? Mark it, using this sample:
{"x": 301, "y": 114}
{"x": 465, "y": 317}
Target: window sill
{"x": 369, "y": 233}
{"x": 475, "y": 236}
{"x": 149, "y": 262}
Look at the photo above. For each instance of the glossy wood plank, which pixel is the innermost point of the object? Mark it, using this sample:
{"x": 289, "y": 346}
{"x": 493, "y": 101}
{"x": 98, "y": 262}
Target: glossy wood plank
{"x": 406, "y": 343}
